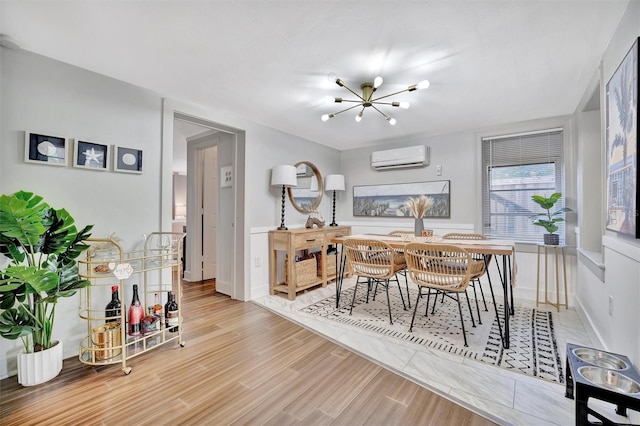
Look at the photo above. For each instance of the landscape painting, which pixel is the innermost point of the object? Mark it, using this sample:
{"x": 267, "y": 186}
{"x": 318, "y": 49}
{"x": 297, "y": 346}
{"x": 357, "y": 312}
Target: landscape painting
{"x": 389, "y": 200}
{"x": 622, "y": 147}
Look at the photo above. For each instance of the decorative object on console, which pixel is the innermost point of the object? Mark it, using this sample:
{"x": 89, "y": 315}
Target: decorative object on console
{"x": 314, "y": 218}
{"x": 389, "y": 200}
{"x": 367, "y": 100}
{"x": 548, "y": 220}
{"x": 623, "y": 124}
{"x": 418, "y": 207}
{"x": 334, "y": 183}
{"x": 285, "y": 176}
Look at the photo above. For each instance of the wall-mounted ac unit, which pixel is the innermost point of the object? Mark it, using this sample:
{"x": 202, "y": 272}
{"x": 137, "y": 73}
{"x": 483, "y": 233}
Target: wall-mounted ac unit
{"x": 411, "y": 156}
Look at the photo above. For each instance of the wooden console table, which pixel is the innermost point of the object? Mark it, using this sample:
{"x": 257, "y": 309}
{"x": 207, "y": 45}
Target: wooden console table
{"x": 293, "y": 240}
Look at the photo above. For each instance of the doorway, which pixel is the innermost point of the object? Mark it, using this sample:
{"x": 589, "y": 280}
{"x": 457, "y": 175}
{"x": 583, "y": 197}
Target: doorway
{"x": 226, "y": 203}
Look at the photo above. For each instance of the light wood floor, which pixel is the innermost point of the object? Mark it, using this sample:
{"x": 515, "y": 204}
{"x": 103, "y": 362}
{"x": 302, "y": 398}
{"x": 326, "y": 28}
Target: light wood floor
{"x": 241, "y": 364}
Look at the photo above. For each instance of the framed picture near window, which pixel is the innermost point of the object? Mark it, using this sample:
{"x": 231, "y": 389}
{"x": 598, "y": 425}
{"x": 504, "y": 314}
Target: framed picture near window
{"x": 622, "y": 146}
{"x": 390, "y": 200}
{"x": 127, "y": 160}
{"x": 41, "y": 148}
{"x": 91, "y": 155}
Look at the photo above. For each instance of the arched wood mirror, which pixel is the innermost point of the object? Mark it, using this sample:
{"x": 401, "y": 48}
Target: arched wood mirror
{"x": 307, "y": 195}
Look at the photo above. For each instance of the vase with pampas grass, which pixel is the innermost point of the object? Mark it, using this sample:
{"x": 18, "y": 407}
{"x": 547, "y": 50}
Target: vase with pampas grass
{"x": 418, "y": 206}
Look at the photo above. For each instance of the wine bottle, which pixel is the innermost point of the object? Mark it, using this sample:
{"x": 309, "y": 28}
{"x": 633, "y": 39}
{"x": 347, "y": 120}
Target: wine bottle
{"x": 157, "y": 309}
{"x": 136, "y": 313}
{"x": 171, "y": 313}
{"x": 112, "y": 310}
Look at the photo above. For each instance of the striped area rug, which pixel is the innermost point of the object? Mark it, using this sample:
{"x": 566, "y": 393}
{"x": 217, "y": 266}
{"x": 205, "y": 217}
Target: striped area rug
{"x": 533, "y": 349}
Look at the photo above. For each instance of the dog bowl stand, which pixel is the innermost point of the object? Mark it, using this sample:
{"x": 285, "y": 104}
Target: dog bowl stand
{"x": 581, "y": 389}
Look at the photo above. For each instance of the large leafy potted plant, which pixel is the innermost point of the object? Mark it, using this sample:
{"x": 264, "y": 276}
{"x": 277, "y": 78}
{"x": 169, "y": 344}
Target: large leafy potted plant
{"x": 548, "y": 219}
{"x": 41, "y": 244}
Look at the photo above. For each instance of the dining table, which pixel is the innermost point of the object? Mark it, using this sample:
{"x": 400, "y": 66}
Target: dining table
{"x": 504, "y": 249}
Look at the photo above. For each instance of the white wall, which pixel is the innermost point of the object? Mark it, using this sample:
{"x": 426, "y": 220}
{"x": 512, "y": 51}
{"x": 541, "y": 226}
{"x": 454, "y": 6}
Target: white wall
{"x": 40, "y": 94}
{"x": 617, "y": 332}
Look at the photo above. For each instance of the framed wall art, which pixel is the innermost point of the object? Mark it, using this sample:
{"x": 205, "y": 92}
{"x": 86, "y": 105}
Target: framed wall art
{"x": 622, "y": 146}
{"x": 389, "y": 200}
{"x": 127, "y": 160}
{"x": 45, "y": 149}
{"x": 91, "y": 155}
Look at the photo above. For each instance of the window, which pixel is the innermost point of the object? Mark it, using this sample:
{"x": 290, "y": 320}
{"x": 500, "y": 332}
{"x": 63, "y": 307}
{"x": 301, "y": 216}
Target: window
{"x": 515, "y": 167}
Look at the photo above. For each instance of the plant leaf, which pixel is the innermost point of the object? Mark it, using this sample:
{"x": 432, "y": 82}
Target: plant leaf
{"x": 16, "y": 323}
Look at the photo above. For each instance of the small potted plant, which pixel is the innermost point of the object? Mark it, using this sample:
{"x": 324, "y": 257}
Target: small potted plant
{"x": 548, "y": 219}
{"x": 41, "y": 244}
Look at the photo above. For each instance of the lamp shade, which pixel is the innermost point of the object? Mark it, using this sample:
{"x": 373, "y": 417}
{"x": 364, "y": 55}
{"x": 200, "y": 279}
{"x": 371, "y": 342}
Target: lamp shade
{"x": 334, "y": 183}
{"x": 284, "y": 175}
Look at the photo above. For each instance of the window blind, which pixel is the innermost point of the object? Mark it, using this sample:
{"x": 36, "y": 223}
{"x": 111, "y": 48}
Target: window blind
{"x": 515, "y": 167}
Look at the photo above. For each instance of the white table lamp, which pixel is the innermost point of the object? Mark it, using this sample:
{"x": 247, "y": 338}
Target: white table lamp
{"x": 284, "y": 175}
{"x": 334, "y": 183}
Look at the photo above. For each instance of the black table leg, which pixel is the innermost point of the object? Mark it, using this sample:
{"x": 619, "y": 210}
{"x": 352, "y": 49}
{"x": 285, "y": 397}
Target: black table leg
{"x": 340, "y": 275}
{"x": 507, "y": 310}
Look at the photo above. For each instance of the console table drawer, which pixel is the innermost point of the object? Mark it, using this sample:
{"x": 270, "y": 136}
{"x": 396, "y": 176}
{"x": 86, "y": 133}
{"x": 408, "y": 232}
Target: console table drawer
{"x": 304, "y": 241}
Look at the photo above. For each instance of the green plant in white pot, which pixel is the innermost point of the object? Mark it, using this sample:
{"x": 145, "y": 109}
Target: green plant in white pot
{"x": 548, "y": 219}
{"x": 41, "y": 244}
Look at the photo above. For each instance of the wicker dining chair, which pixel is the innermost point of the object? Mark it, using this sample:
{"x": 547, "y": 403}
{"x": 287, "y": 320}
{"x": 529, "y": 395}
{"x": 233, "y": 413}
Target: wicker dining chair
{"x": 375, "y": 262}
{"x": 399, "y": 257}
{"x": 446, "y": 268}
{"x": 479, "y": 258}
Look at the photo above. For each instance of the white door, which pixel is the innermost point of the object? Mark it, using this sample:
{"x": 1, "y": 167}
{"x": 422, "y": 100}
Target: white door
{"x": 209, "y": 207}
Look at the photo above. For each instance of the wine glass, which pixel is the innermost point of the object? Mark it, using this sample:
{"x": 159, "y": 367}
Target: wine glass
{"x": 164, "y": 242}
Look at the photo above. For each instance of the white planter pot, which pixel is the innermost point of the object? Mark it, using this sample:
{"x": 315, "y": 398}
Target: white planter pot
{"x": 38, "y": 367}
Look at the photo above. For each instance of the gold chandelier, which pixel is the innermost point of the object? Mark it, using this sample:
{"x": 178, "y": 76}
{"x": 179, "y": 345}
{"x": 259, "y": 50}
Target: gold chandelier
{"x": 367, "y": 100}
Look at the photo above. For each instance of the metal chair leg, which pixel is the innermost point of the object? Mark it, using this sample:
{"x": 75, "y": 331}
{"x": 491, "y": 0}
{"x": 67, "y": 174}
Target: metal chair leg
{"x": 404, "y": 305}
{"x": 473, "y": 322}
{"x": 355, "y": 290}
{"x": 415, "y": 308}
{"x": 482, "y": 293}
{"x": 475, "y": 297}
{"x": 389, "y": 302}
{"x": 495, "y": 306}
{"x": 464, "y": 333}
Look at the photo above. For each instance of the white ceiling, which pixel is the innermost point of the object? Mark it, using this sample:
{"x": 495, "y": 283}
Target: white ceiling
{"x": 489, "y": 61}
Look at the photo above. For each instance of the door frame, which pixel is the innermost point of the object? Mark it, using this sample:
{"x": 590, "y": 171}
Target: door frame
{"x": 235, "y": 249}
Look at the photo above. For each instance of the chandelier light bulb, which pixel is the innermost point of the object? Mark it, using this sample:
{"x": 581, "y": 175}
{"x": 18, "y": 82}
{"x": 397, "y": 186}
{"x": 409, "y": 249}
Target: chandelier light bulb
{"x": 391, "y": 120}
{"x": 377, "y": 82}
{"x": 423, "y": 84}
{"x": 404, "y": 105}
{"x": 359, "y": 117}
{"x": 332, "y": 77}
{"x": 329, "y": 99}
{"x": 325, "y": 117}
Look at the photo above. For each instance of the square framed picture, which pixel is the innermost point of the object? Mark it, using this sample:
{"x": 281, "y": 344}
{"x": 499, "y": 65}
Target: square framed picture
{"x": 226, "y": 177}
{"x": 127, "y": 160}
{"x": 45, "y": 149}
{"x": 91, "y": 155}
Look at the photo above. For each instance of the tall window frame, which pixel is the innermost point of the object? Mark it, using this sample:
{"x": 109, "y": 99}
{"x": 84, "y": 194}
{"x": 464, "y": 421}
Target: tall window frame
{"x": 514, "y": 167}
